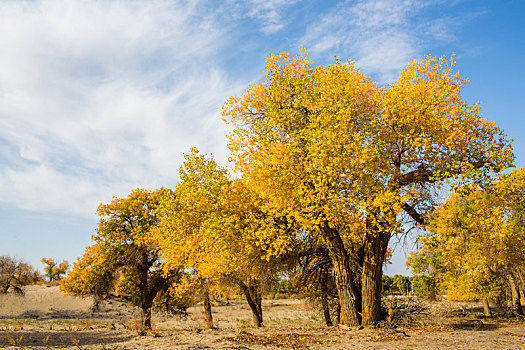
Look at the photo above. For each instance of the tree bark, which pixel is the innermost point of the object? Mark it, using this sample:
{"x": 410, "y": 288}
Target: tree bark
{"x": 486, "y": 308}
{"x": 324, "y": 302}
{"x": 252, "y": 291}
{"x": 338, "y": 313}
{"x": 207, "y": 309}
{"x": 376, "y": 244}
{"x": 146, "y": 317}
{"x": 522, "y": 281}
{"x": 345, "y": 274}
{"x": 515, "y": 296}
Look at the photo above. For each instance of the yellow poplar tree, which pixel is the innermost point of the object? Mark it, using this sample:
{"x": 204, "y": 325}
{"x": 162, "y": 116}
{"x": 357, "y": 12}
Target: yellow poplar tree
{"x": 124, "y": 255}
{"x": 53, "y": 269}
{"x": 480, "y": 235}
{"x": 183, "y": 217}
{"x": 343, "y": 158}
{"x": 213, "y": 228}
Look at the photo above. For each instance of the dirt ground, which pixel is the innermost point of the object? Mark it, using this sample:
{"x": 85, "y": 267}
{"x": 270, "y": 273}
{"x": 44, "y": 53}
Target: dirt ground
{"x": 44, "y": 319}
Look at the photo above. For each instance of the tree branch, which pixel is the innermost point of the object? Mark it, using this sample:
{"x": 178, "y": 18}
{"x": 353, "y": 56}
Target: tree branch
{"x": 411, "y": 211}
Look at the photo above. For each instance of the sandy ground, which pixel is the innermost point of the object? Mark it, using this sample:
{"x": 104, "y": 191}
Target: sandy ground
{"x": 44, "y": 319}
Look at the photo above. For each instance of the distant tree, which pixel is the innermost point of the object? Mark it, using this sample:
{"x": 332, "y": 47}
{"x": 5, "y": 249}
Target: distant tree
{"x": 14, "y": 274}
{"x": 402, "y": 283}
{"x": 388, "y": 283}
{"x": 53, "y": 269}
{"x": 428, "y": 268}
{"x": 479, "y": 235}
{"x": 125, "y": 256}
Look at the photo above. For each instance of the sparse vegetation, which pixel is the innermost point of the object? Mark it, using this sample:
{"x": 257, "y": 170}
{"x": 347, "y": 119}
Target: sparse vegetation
{"x": 15, "y": 274}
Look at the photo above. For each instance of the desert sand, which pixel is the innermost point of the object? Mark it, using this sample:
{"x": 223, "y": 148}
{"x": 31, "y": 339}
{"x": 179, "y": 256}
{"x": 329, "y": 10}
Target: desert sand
{"x": 46, "y": 319}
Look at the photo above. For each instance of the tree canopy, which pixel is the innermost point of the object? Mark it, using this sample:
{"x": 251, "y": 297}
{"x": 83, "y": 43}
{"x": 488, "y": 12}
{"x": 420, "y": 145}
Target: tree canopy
{"x": 15, "y": 274}
{"x": 344, "y": 158}
{"x": 479, "y": 234}
{"x": 124, "y": 256}
{"x": 213, "y": 227}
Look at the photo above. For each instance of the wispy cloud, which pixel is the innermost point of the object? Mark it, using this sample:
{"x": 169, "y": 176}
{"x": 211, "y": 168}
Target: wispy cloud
{"x": 381, "y": 35}
{"x": 99, "y": 97}
{"x": 270, "y": 13}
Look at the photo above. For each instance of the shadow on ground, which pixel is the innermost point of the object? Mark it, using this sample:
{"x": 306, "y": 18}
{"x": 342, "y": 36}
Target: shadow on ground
{"x": 62, "y": 338}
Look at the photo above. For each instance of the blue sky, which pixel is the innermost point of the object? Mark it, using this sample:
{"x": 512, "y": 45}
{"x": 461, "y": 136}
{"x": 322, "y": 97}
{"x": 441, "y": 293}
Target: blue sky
{"x": 100, "y": 97}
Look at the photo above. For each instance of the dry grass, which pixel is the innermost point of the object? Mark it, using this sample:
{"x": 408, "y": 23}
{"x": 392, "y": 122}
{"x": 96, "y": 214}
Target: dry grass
{"x": 45, "y": 319}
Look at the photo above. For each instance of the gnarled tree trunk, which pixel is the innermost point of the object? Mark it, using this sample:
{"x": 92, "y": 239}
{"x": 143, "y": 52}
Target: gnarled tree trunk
{"x": 345, "y": 274}
{"x": 371, "y": 284}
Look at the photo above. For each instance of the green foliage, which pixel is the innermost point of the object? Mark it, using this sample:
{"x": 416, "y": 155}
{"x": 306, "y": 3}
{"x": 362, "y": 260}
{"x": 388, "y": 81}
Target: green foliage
{"x": 403, "y": 284}
{"x": 425, "y": 287}
{"x": 428, "y": 267}
{"x": 387, "y": 285}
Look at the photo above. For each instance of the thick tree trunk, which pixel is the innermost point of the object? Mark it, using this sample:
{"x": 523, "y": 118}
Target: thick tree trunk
{"x": 371, "y": 284}
{"x": 146, "y": 301}
{"x": 486, "y": 308}
{"x": 252, "y": 291}
{"x": 146, "y": 317}
{"x": 208, "y": 318}
{"x": 515, "y": 296}
{"x": 345, "y": 274}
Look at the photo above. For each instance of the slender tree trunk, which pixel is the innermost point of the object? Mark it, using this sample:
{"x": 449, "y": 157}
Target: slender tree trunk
{"x": 371, "y": 284}
{"x": 338, "y": 313}
{"x": 207, "y": 309}
{"x": 324, "y": 302}
{"x": 486, "y": 308}
{"x": 515, "y": 295}
{"x": 522, "y": 281}
{"x": 345, "y": 277}
{"x": 499, "y": 301}
{"x": 252, "y": 291}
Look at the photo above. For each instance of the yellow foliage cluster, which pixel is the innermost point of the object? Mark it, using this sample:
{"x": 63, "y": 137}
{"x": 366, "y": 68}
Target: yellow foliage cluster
{"x": 214, "y": 228}
{"x": 53, "y": 269}
{"x": 325, "y": 144}
{"x": 479, "y": 233}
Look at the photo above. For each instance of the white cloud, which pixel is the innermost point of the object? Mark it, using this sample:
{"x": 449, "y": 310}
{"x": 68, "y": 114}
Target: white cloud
{"x": 98, "y": 97}
{"x": 270, "y": 13}
{"x": 382, "y": 36}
